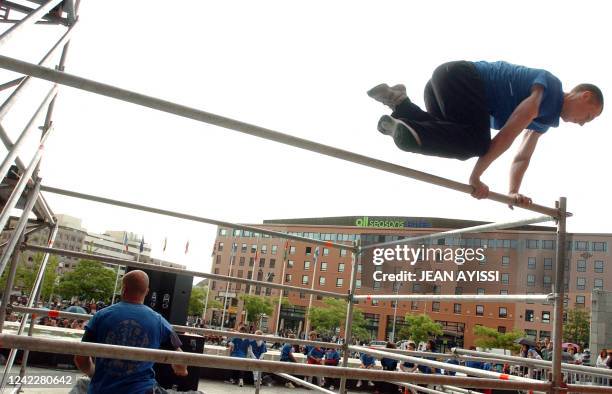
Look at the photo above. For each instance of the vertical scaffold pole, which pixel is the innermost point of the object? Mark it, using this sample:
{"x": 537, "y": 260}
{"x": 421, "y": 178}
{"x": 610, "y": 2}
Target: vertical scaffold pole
{"x": 348, "y": 325}
{"x": 557, "y": 374}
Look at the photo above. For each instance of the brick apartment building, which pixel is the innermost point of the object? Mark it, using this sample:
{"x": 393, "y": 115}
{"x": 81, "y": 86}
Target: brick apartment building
{"x": 524, "y": 258}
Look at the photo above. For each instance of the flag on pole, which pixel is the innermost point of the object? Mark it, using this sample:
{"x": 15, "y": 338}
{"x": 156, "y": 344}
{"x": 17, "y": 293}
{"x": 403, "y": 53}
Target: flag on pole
{"x": 286, "y": 249}
{"x": 141, "y": 248}
{"x": 125, "y": 240}
{"x": 187, "y": 247}
{"x": 316, "y": 253}
{"x": 165, "y": 244}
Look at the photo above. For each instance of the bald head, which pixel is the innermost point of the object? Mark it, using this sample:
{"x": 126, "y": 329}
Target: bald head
{"x": 135, "y": 286}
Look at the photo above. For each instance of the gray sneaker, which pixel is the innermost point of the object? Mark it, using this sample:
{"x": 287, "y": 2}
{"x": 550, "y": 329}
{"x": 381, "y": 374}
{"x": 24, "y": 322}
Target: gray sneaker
{"x": 405, "y": 137}
{"x": 389, "y": 96}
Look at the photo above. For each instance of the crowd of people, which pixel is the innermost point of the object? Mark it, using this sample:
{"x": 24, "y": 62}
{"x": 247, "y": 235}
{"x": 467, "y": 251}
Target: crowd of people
{"x": 70, "y": 306}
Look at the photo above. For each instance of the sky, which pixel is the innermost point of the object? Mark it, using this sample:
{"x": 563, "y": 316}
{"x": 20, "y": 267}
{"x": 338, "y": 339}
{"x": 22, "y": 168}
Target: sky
{"x": 302, "y": 68}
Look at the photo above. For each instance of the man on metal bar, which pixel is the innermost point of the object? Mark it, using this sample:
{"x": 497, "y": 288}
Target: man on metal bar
{"x": 128, "y": 323}
{"x": 465, "y": 99}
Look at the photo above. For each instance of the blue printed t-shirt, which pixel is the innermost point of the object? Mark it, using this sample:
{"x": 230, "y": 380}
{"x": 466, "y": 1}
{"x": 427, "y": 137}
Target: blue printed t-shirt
{"x": 332, "y": 357}
{"x": 388, "y": 364}
{"x": 127, "y": 324}
{"x": 367, "y": 360}
{"x": 507, "y": 85}
{"x": 286, "y": 352}
{"x": 240, "y": 347}
{"x": 258, "y": 350}
{"x": 316, "y": 352}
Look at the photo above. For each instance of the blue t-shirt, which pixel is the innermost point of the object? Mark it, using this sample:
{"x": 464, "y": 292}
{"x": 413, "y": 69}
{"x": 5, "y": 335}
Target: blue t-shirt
{"x": 286, "y": 352}
{"x": 307, "y": 349}
{"x": 367, "y": 360}
{"x": 240, "y": 347}
{"x": 388, "y": 364}
{"x": 507, "y": 85}
{"x": 127, "y": 324}
{"x": 332, "y": 357}
{"x": 258, "y": 350}
{"x": 474, "y": 364}
{"x": 316, "y": 352}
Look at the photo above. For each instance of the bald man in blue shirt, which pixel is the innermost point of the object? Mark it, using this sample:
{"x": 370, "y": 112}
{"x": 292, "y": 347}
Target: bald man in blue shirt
{"x": 464, "y": 100}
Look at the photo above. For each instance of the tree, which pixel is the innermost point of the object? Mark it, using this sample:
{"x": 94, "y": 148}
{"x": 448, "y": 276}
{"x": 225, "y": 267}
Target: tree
{"x": 577, "y": 327}
{"x": 419, "y": 328}
{"x": 25, "y": 274}
{"x": 197, "y": 300}
{"x": 89, "y": 280}
{"x": 490, "y": 338}
{"x": 327, "y": 319}
{"x": 256, "y": 307}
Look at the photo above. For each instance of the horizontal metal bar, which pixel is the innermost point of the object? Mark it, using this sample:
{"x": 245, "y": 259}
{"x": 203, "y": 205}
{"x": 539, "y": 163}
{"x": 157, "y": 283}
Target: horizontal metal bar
{"x": 27, "y": 232}
{"x": 50, "y": 19}
{"x": 538, "y": 363}
{"x": 27, "y": 21}
{"x": 246, "y": 364}
{"x": 261, "y": 132}
{"x": 304, "y": 383}
{"x": 192, "y": 217}
{"x": 440, "y": 365}
{"x": 460, "y": 390}
{"x": 458, "y": 297}
{"x": 419, "y": 388}
{"x": 180, "y": 271}
{"x": 475, "y": 229}
{"x": 583, "y": 389}
{"x": 197, "y": 330}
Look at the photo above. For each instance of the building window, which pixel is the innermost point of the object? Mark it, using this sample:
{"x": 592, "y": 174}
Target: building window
{"x": 321, "y": 281}
{"x": 530, "y": 280}
{"x": 342, "y": 252}
{"x": 458, "y": 290}
{"x": 214, "y": 285}
{"x": 600, "y": 246}
{"x": 581, "y": 266}
{"x": 308, "y": 250}
{"x": 501, "y": 329}
{"x": 580, "y": 283}
{"x": 340, "y": 267}
{"x": 262, "y": 262}
{"x": 435, "y": 306}
{"x": 358, "y": 283}
{"x": 503, "y": 311}
{"x": 304, "y": 279}
{"x": 505, "y": 261}
{"x": 529, "y": 315}
{"x": 243, "y": 248}
{"x": 435, "y": 290}
{"x": 457, "y": 308}
{"x": 292, "y": 250}
{"x": 241, "y": 261}
{"x": 289, "y": 263}
{"x": 272, "y": 263}
{"x": 503, "y": 292}
{"x": 339, "y": 282}
{"x": 323, "y": 266}
{"x": 579, "y": 300}
{"x": 598, "y": 266}
{"x": 274, "y": 249}
{"x": 359, "y": 268}
{"x": 480, "y": 291}
{"x": 548, "y": 244}
{"x": 529, "y": 333}
{"x": 287, "y": 278}
{"x": 581, "y": 245}
{"x": 218, "y": 259}
{"x": 302, "y": 295}
{"x": 306, "y": 265}
{"x": 222, "y": 232}
{"x": 251, "y": 261}
{"x": 547, "y": 280}
{"x": 220, "y": 247}
{"x": 325, "y": 252}
{"x": 531, "y": 263}
{"x": 414, "y": 305}
{"x": 264, "y": 249}
{"x": 216, "y": 271}
{"x": 374, "y": 302}
{"x": 268, "y": 291}
{"x": 547, "y": 263}
{"x": 417, "y": 288}
{"x": 532, "y": 243}
{"x": 598, "y": 284}
{"x": 545, "y": 317}
{"x": 479, "y": 310}
{"x": 254, "y": 248}
{"x": 376, "y": 285}
{"x": 234, "y": 247}
{"x": 505, "y": 279}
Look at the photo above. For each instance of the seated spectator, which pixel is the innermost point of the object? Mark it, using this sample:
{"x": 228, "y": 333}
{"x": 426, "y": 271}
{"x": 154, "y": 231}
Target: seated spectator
{"x": 407, "y": 366}
{"x": 388, "y": 364}
{"x": 315, "y": 357}
{"x": 286, "y": 355}
{"x": 238, "y": 347}
{"x": 128, "y": 323}
{"x": 257, "y": 348}
{"x": 332, "y": 358}
{"x": 367, "y": 362}
{"x": 474, "y": 364}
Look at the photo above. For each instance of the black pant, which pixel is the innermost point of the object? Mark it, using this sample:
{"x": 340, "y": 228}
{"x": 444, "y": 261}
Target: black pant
{"x": 456, "y": 124}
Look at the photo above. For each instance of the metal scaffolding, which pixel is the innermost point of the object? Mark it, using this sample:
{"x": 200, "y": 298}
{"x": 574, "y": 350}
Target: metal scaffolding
{"x": 29, "y": 186}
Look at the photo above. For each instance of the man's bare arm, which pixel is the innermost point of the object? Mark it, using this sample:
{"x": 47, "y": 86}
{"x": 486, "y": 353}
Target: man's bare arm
{"x": 85, "y": 365}
{"x": 522, "y": 116}
{"x": 178, "y": 369}
{"x": 521, "y": 163}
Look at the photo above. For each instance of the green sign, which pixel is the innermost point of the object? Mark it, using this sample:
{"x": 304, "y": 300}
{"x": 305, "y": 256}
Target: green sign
{"x": 381, "y": 223}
